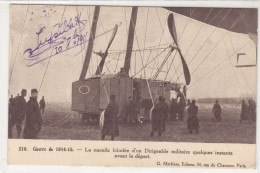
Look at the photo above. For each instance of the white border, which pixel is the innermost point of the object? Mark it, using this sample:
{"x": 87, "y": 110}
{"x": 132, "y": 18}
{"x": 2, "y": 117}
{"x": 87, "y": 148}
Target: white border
{"x": 4, "y": 56}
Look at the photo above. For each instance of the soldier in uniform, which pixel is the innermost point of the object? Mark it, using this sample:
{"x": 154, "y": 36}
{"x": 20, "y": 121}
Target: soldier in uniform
{"x": 131, "y": 112}
{"x": 17, "y": 113}
{"x": 110, "y": 126}
{"x": 173, "y": 110}
{"x": 158, "y": 113}
{"x": 165, "y": 114}
{"x": 181, "y": 105}
{"x": 42, "y": 105}
{"x": 216, "y": 110}
{"x": 33, "y": 122}
{"x": 243, "y": 115}
{"x": 11, "y": 106}
{"x": 252, "y": 110}
{"x": 192, "y": 121}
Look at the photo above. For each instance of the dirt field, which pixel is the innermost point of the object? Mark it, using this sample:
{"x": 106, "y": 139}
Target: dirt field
{"x": 59, "y": 125}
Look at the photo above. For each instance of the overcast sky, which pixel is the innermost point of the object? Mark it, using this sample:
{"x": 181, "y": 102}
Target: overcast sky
{"x": 151, "y": 30}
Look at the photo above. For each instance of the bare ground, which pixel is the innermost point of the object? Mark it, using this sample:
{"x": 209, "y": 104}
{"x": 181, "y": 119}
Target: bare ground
{"x": 58, "y": 125}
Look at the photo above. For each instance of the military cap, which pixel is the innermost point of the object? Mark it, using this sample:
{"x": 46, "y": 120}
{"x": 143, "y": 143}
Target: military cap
{"x": 34, "y": 90}
{"x": 23, "y": 91}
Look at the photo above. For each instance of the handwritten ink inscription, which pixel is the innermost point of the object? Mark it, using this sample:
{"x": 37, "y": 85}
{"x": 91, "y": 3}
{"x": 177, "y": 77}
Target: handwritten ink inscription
{"x": 71, "y": 33}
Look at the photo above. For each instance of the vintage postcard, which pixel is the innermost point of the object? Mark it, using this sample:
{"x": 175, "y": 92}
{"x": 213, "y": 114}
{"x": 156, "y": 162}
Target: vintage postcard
{"x": 123, "y": 86}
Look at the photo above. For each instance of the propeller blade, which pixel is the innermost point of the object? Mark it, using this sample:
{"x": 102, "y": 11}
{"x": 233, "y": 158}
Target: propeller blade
{"x": 112, "y": 37}
{"x": 172, "y": 28}
{"x": 101, "y": 65}
{"x": 102, "y": 62}
{"x": 186, "y": 70}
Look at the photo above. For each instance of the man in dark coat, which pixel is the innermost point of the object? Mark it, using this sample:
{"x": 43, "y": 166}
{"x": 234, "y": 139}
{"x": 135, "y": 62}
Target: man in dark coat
{"x": 216, "y": 110}
{"x": 110, "y": 126}
{"x": 243, "y": 115}
{"x": 158, "y": 113}
{"x": 17, "y": 113}
{"x": 131, "y": 112}
{"x": 165, "y": 114}
{"x": 11, "y": 106}
{"x": 181, "y": 105}
{"x": 42, "y": 105}
{"x": 33, "y": 122}
{"x": 252, "y": 110}
{"x": 173, "y": 110}
{"x": 192, "y": 121}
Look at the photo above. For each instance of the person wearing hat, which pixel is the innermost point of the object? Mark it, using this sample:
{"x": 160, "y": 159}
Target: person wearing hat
{"x": 216, "y": 110}
{"x": 173, "y": 109}
{"x": 18, "y": 114}
{"x": 131, "y": 112}
{"x": 252, "y": 110}
{"x": 42, "y": 105}
{"x": 192, "y": 120}
{"x": 244, "y": 111}
{"x": 33, "y": 122}
{"x": 158, "y": 114}
{"x": 181, "y": 105}
{"x": 110, "y": 126}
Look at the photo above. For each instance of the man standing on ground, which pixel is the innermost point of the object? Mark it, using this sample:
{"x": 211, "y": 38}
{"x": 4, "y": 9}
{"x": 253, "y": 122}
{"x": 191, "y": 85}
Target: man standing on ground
{"x": 217, "y": 111}
{"x": 33, "y": 122}
{"x": 42, "y": 105}
{"x": 165, "y": 114}
{"x": 17, "y": 114}
{"x": 158, "y": 114}
{"x": 252, "y": 110}
{"x": 131, "y": 112}
{"x": 110, "y": 126}
{"x": 244, "y": 111}
{"x": 181, "y": 105}
{"x": 173, "y": 110}
{"x": 192, "y": 121}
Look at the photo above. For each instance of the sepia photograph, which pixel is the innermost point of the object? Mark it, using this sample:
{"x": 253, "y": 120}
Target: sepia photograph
{"x": 133, "y": 74}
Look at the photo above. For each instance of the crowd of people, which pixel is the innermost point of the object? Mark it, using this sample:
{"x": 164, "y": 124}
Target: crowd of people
{"x": 160, "y": 113}
{"x": 248, "y": 111}
{"x": 30, "y": 111}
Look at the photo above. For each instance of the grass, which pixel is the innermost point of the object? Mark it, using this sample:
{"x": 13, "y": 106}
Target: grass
{"x": 229, "y": 130}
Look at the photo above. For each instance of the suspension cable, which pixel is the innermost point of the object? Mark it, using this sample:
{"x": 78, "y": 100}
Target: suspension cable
{"x": 217, "y": 65}
{"x": 18, "y": 44}
{"x": 50, "y": 58}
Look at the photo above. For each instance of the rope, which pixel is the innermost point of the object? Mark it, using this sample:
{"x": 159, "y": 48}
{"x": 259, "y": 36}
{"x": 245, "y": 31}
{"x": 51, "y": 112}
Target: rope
{"x": 117, "y": 63}
{"x": 161, "y": 66}
{"x": 50, "y": 58}
{"x": 232, "y": 65}
{"x": 140, "y": 52}
{"x": 163, "y": 28}
{"x": 231, "y": 41}
{"x": 60, "y": 120}
{"x": 217, "y": 66}
{"x": 248, "y": 84}
{"x": 82, "y": 55}
{"x": 18, "y": 44}
{"x": 146, "y": 29}
{"x": 151, "y": 61}
{"x": 206, "y": 41}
